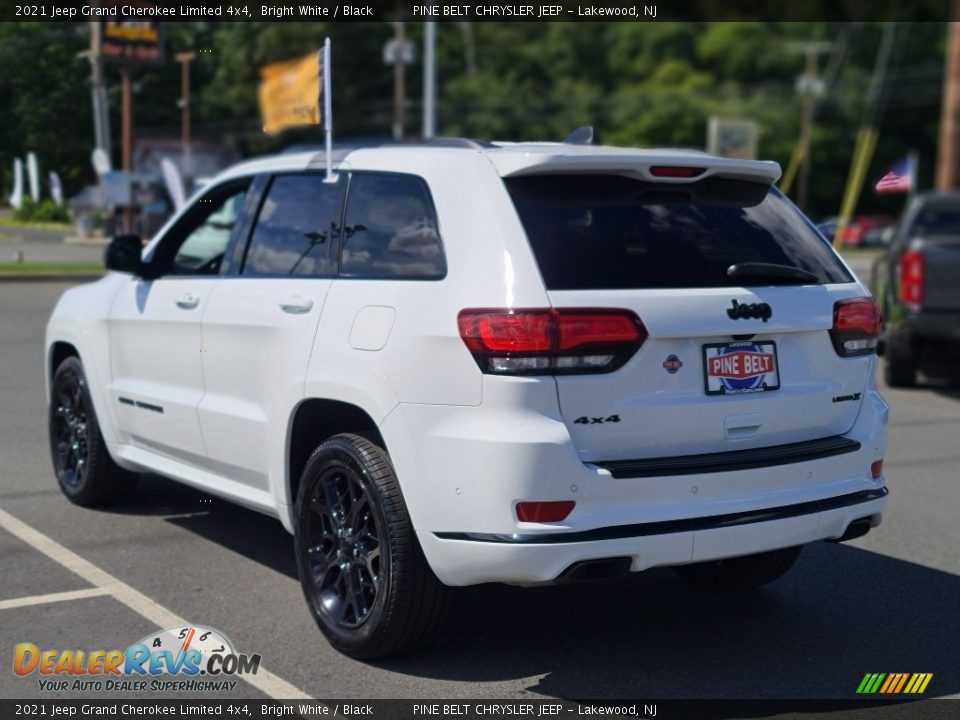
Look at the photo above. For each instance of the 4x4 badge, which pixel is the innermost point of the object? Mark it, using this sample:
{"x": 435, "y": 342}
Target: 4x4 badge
{"x": 761, "y": 311}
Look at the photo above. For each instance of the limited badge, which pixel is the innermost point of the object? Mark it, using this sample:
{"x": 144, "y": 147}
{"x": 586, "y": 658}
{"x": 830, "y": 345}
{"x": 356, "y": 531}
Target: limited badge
{"x": 672, "y": 364}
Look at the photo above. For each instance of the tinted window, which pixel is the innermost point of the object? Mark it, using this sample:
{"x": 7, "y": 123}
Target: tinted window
{"x": 298, "y": 228}
{"x": 935, "y": 219}
{"x": 390, "y": 229}
{"x": 197, "y": 243}
{"x": 610, "y": 231}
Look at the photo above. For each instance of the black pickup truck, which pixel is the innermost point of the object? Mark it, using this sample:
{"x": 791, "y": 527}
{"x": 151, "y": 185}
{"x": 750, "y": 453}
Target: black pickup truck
{"x": 917, "y": 282}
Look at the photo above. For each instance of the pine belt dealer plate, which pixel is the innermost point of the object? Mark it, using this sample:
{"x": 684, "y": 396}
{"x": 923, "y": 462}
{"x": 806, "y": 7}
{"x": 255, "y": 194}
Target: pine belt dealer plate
{"x": 740, "y": 367}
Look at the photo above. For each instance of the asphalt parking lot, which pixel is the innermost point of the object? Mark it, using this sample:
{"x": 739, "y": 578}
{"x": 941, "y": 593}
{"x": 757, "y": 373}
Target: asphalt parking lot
{"x": 887, "y": 602}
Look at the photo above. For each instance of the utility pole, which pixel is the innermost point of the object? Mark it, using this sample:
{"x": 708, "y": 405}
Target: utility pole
{"x": 948, "y": 154}
{"x": 127, "y": 136}
{"x": 185, "y": 58}
{"x": 399, "y": 79}
{"x": 810, "y": 85}
{"x": 429, "y": 80}
{"x": 98, "y": 93}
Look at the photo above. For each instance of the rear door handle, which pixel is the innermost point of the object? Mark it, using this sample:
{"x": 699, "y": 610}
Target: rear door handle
{"x": 188, "y": 302}
{"x": 296, "y": 305}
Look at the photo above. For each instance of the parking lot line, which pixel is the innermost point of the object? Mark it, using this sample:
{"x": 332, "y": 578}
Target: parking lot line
{"x": 52, "y": 598}
{"x": 264, "y": 681}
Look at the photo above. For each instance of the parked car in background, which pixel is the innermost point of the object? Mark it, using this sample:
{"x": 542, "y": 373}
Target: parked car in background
{"x": 917, "y": 282}
{"x": 866, "y": 230}
{"x": 828, "y": 227}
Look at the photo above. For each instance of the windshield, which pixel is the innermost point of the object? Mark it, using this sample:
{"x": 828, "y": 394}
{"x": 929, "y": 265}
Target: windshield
{"x": 615, "y": 232}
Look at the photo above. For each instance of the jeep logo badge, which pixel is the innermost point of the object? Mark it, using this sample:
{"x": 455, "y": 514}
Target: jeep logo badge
{"x": 761, "y": 311}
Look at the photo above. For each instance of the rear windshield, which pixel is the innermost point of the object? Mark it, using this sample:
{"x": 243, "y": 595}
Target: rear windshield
{"x": 613, "y": 232}
{"x": 937, "y": 220}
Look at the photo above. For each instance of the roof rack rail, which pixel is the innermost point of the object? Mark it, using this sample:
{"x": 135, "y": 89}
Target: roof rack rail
{"x": 458, "y": 142}
{"x": 581, "y": 136}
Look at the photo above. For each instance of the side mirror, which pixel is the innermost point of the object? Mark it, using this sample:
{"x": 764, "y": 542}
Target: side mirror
{"x": 123, "y": 254}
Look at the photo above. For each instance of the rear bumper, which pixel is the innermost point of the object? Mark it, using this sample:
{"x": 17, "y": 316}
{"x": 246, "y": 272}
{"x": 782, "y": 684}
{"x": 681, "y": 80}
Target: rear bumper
{"x": 531, "y": 559}
{"x": 462, "y": 471}
{"x": 932, "y": 326}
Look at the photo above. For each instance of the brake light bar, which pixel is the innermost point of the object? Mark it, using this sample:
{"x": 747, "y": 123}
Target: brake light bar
{"x": 676, "y": 171}
{"x": 856, "y": 326}
{"x": 551, "y": 341}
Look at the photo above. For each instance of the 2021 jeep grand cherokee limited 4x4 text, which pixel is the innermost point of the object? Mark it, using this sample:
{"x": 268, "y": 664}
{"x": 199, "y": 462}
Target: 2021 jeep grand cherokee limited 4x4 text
{"x": 456, "y": 365}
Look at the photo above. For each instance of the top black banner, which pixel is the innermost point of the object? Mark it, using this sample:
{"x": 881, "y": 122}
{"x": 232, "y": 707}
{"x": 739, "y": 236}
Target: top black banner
{"x": 425, "y": 10}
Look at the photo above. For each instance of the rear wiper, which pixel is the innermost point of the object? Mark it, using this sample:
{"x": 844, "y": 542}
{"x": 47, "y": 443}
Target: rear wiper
{"x": 778, "y": 274}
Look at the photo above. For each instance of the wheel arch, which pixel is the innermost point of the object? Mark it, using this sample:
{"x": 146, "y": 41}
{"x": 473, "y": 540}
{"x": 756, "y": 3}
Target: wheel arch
{"x": 313, "y": 421}
{"x": 59, "y": 351}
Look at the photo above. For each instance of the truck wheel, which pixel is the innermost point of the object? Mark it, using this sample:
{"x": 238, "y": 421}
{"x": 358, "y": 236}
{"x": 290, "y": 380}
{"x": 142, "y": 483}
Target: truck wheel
{"x": 742, "y": 572}
{"x": 364, "y": 576}
{"x": 86, "y": 473}
{"x": 899, "y": 364}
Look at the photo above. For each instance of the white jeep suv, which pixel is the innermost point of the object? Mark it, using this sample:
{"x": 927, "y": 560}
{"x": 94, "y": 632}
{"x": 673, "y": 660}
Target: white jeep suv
{"x": 466, "y": 362}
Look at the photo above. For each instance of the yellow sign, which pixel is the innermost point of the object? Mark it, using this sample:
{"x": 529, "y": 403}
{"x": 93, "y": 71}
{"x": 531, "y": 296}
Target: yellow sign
{"x": 289, "y": 93}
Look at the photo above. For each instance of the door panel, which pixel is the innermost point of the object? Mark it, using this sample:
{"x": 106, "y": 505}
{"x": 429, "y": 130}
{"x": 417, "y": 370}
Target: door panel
{"x": 155, "y": 330}
{"x": 259, "y": 328}
{"x": 155, "y": 347}
{"x": 257, "y": 338}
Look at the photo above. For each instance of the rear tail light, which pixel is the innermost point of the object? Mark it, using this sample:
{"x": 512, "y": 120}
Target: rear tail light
{"x": 551, "y": 341}
{"x": 856, "y": 326}
{"x": 876, "y": 468}
{"x": 542, "y": 512}
{"x": 912, "y": 271}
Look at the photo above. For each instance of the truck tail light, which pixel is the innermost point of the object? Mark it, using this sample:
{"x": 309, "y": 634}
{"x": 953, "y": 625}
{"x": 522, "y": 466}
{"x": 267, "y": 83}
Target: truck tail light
{"x": 856, "y": 326}
{"x": 550, "y": 341}
{"x": 912, "y": 271}
{"x": 543, "y": 512}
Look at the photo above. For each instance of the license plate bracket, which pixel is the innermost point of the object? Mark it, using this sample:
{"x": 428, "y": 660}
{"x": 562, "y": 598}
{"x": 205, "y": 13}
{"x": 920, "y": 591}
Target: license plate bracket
{"x": 734, "y": 368}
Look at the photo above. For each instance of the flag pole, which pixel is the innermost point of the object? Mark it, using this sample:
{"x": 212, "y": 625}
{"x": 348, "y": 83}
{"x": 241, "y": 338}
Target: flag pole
{"x": 328, "y": 110}
{"x": 914, "y": 175}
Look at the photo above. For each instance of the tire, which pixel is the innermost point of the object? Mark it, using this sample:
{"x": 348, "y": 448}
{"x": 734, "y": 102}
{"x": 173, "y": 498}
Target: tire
{"x": 740, "y": 573}
{"x": 899, "y": 364}
{"x": 86, "y": 473}
{"x": 363, "y": 573}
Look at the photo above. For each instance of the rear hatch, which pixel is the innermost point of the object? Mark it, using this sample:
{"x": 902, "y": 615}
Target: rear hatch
{"x": 735, "y": 290}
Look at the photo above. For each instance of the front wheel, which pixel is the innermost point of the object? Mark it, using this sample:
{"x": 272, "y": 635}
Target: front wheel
{"x": 85, "y": 471}
{"x": 742, "y": 572}
{"x": 364, "y": 576}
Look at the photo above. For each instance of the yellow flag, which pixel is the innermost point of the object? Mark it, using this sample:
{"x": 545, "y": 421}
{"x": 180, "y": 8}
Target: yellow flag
{"x": 289, "y": 93}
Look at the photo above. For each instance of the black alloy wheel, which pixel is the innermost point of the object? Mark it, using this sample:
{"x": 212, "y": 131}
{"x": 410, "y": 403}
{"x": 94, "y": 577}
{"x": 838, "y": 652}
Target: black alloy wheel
{"x": 364, "y": 576}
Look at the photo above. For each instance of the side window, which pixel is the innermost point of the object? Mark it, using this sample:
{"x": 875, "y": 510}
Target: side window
{"x": 196, "y": 245}
{"x": 298, "y": 228}
{"x": 390, "y": 229}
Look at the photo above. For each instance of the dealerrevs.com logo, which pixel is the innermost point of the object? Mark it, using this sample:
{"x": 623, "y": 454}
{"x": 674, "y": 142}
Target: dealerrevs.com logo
{"x": 189, "y": 659}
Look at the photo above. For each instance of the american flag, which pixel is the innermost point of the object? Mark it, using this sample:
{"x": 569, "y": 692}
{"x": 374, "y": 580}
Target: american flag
{"x": 898, "y": 179}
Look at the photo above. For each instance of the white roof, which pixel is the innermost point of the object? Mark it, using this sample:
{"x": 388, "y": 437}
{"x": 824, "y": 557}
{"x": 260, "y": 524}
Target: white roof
{"x": 532, "y": 158}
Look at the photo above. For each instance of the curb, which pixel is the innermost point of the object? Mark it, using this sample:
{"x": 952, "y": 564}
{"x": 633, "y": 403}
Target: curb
{"x": 49, "y": 277}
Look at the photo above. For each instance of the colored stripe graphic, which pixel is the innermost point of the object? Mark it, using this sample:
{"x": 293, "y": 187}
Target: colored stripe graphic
{"x": 894, "y": 683}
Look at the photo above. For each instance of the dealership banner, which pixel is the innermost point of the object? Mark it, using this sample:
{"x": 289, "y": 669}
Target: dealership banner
{"x": 289, "y": 93}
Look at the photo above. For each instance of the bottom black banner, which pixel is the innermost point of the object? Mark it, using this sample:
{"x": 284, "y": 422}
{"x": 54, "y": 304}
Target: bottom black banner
{"x": 485, "y": 709}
